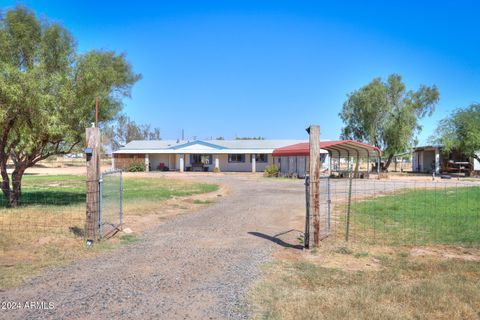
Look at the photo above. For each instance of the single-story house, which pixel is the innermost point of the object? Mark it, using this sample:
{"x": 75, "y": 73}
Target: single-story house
{"x": 199, "y": 155}
{"x": 337, "y": 156}
{"x": 432, "y": 158}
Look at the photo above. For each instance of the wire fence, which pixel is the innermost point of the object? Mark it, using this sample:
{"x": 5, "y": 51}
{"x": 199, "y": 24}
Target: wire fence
{"x": 401, "y": 212}
{"x": 111, "y": 202}
{"x": 50, "y": 205}
{"x": 46, "y": 205}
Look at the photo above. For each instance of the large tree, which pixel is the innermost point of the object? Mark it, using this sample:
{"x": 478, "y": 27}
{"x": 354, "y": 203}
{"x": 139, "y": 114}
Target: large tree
{"x": 123, "y": 130}
{"x": 47, "y": 92}
{"x": 386, "y": 114}
{"x": 461, "y": 131}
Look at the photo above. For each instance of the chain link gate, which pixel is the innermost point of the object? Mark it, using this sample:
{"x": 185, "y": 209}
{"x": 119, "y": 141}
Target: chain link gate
{"x": 325, "y": 210}
{"x": 111, "y": 202}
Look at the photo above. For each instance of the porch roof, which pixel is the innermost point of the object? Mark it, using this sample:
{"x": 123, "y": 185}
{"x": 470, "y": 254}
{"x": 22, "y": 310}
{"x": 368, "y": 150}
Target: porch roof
{"x": 339, "y": 148}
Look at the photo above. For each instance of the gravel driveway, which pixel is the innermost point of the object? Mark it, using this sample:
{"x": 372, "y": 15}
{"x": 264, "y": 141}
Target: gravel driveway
{"x": 195, "y": 266}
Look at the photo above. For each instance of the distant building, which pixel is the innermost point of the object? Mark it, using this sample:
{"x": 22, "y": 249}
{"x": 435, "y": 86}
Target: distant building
{"x": 433, "y": 158}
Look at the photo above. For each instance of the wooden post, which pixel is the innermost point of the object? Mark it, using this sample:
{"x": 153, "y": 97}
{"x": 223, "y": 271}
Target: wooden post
{"x": 314, "y": 172}
{"x": 93, "y": 174}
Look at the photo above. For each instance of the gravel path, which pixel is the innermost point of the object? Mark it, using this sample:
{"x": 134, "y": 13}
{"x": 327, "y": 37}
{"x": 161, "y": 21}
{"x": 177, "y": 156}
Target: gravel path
{"x": 195, "y": 266}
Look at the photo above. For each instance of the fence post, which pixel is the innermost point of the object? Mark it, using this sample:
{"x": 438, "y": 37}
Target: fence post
{"x": 93, "y": 168}
{"x": 314, "y": 173}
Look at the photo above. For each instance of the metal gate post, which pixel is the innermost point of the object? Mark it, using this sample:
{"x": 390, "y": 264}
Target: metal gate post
{"x": 306, "y": 237}
{"x": 121, "y": 198}
{"x": 329, "y": 201}
{"x": 349, "y": 205}
{"x": 100, "y": 224}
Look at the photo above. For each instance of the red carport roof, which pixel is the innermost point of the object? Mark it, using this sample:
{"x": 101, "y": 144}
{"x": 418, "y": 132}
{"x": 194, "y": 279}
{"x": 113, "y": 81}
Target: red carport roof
{"x": 342, "y": 148}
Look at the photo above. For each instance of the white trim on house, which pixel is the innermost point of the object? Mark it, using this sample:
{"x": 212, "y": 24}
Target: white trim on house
{"x": 196, "y": 151}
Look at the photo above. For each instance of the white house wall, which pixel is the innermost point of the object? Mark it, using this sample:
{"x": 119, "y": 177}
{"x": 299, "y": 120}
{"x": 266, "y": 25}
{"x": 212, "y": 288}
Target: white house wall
{"x": 173, "y": 161}
{"x": 241, "y": 166}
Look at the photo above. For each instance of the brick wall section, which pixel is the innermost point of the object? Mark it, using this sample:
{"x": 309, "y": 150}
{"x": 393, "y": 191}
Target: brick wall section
{"x": 123, "y": 161}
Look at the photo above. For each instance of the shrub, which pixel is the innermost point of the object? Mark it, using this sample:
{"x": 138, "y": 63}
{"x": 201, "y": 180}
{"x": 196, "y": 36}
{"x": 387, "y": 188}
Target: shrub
{"x": 216, "y": 169}
{"x": 271, "y": 171}
{"x": 136, "y": 167}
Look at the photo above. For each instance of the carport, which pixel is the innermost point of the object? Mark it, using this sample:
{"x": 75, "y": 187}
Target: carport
{"x": 341, "y": 154}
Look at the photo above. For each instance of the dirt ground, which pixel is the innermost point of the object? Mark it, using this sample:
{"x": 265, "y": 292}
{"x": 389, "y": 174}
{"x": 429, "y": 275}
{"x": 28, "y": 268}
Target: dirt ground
{"x": 194, "y": 266}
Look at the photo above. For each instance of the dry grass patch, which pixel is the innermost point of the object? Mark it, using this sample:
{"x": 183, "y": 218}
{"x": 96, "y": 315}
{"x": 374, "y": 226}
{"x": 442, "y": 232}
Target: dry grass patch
{"x": 370, "y": 283}
{"x": 47, "y": 228}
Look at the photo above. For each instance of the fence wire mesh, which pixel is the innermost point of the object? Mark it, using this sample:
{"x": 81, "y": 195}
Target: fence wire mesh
{"x": 46, "y": 205}
{"x": 110, "y": 202}
{"x": 404, "y": 212}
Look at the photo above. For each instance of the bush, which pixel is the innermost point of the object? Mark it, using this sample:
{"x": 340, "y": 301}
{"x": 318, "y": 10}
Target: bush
{"x": 271, "y": 171}
{"x": 136, "y": 167}
{"x": 216, "y": 169}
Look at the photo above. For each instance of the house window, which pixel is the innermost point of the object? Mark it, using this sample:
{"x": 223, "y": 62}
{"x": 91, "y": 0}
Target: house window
{"x": 236, "y": 158}
{"x": 260, "y": 158}
{"x": 205, "y": 159}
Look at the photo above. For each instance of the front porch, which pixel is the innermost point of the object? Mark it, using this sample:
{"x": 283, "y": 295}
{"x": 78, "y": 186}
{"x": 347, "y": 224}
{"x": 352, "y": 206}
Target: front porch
{"x": 206, "y": 162}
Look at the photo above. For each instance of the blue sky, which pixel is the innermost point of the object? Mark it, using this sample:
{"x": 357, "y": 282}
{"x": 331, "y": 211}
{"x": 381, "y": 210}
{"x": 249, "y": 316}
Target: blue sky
{"x": 270, "y": 68}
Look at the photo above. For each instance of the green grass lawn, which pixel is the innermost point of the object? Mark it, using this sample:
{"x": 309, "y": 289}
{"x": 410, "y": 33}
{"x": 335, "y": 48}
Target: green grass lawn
{"x": 448, "y": 215}
{"x": 65, "y": 190}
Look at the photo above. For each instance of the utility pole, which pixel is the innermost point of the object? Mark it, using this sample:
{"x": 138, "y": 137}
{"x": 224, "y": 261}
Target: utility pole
{"x": 314, "y": 173}
{"x": 92, "y": 152}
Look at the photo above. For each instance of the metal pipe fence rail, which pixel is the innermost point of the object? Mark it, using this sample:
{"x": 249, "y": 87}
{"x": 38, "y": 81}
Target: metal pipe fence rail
{"x": 401, "y": 212}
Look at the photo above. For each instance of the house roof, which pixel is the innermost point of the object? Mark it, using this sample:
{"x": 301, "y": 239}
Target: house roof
{"x": 339, "y": 148}
{"x": 204, "y": 146}
{"x": 429, "y": 147}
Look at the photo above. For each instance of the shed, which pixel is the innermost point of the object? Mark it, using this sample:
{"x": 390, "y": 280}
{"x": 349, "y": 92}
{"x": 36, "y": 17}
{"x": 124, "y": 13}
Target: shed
{"x": 335, "y": 156}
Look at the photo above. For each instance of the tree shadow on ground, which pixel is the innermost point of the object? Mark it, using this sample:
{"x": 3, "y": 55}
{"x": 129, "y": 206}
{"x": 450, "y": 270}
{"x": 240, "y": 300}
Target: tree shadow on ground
{"x": 277, "y": 240}
{"x": 47, "y": 198}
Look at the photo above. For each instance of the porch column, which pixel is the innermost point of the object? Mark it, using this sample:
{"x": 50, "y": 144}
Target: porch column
{"x": 147, "y": 162}
{"x": 437, "y": 161}
{"x": 182, "y": 164}
{"x": 217, "y": 162}
{"x": 254, "y": 163}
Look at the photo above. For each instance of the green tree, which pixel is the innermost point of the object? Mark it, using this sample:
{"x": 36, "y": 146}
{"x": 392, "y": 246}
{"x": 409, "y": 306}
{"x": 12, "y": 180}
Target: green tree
{"x": 386, "y": 114}
{"x": 47, "y": 92}
{"x": 123, "y": 130}
{"x": 461, "y": 131}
